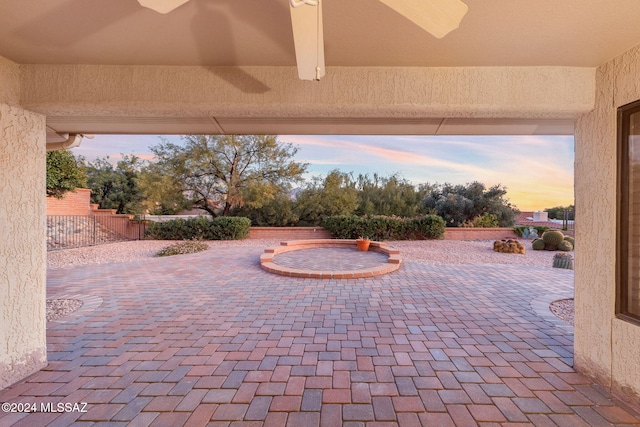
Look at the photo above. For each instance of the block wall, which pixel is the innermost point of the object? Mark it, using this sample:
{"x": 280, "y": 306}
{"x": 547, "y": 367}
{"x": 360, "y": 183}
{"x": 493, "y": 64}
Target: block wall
{"x": 73, "y": 203}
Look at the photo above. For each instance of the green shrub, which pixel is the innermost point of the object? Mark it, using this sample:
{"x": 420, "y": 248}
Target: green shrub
{"x": 200, "y": 228}
{"x": 519, "y": 229}
{"x": 230, "y": 228}
{"x": 467, "y": 224}
{"x": 181, "y": 248}
{"x": 343, "y": 226}
{"x": 378, "y": 227}
{"x": 425, "y": 227}
{"x": 179, "y": 229}
{"x": 486, "y": 220}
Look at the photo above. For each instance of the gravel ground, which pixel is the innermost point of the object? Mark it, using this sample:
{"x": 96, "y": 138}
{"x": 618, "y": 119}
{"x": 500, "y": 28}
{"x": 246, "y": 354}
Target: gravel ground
{"x": 56, "y": 308}
{"x": 429, "y": 251}
{"x": 468, "y": 252}
{"x": 563, "y": 308}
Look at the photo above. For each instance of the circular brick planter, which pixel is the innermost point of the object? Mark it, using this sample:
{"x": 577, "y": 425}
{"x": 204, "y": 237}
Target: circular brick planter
{"x": 267, "y": 260}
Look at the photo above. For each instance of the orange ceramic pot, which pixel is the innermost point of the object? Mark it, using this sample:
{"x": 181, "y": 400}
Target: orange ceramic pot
{"x": 363, "y": 244}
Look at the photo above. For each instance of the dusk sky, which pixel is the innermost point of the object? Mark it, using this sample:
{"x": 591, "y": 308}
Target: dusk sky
{"x": 536, "y": 170}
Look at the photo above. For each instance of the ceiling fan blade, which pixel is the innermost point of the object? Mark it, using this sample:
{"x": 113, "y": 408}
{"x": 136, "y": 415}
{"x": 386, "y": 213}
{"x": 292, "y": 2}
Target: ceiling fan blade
{"x": 308, "y": 38}
{"x": 437, "y": 17}
{"x": 162, "y": 6}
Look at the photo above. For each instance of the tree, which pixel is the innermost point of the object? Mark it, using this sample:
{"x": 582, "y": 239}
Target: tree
{"x": 557, "y": 212}
{"x": 221, "y": 172}
{"x": 116, "y": 188}
{"x": 336, "y": 194}
{"x": 64, "y": 173}
{"x": 458, "y": 204}
{"x": 163, "y": 193}
{"x": 388, "y": 196}
{"x": 278, "y": 212}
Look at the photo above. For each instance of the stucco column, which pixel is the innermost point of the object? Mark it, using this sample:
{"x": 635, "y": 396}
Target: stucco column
{"x": 22, "y": 231}
{"x": 606, "y": 348}
{"x": 595, "y": 192}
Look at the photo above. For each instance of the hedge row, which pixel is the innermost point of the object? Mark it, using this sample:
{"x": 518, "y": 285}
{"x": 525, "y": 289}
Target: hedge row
{"x": 201, "y": 228}
{"x": 385, "y": 227}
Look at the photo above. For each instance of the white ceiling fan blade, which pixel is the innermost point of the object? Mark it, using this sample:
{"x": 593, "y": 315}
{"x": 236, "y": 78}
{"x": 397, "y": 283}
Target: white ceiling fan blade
{"x": 162, "y": 6}
{"x": 306, "y": 21}
{"x": 437, "y": 17}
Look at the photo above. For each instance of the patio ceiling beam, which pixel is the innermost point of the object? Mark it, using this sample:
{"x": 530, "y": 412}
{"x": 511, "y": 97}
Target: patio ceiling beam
{"x": 200, "y": 94}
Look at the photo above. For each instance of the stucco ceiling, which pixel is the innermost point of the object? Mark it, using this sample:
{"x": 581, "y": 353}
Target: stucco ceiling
{"x": 583, "y": 33}
{"x": 357, "y": 33}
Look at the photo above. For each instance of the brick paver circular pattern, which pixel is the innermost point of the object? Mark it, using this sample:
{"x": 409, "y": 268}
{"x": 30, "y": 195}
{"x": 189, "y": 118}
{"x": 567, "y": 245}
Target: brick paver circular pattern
{"x": 330, "y": 259}
{"x": 212, "y": 339}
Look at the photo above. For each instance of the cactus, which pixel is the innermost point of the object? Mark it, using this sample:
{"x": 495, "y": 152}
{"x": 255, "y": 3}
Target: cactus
{"x": 537, "y": 245}
{"x": 552, "y": 238}
{"x": 571, "y": 240}
{"x": 563, "y": 261}
{"x": 565, "y": 245}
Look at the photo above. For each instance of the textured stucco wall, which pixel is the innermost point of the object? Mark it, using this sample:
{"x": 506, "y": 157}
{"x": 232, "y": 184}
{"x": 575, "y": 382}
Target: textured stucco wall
{"x": 605, "y": 347}
{"x": 9, "y": 82}
{"x": 531, "y": 92}
{"x": 22, "y": 229}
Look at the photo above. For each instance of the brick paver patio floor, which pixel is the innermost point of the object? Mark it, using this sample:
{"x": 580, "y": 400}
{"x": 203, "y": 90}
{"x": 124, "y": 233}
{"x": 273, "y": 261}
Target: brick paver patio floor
{"x": 211, "y": 339}
{"x": 337, "y": 258}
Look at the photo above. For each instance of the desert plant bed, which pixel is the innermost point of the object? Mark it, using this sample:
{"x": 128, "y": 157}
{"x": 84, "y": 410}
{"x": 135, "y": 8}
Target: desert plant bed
{"x": 268, "y": 262}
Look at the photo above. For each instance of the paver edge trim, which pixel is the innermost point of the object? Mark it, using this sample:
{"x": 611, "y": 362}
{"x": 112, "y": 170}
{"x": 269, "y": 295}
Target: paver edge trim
{"x": 393, "y": 263}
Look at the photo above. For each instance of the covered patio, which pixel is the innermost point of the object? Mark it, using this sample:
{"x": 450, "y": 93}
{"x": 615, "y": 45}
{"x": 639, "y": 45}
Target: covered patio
{"x": 212, "y": 339}
{"x": 70, "y": 67}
